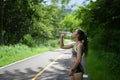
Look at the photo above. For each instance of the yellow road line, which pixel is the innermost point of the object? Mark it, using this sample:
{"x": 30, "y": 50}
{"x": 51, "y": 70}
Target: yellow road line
{"x": 49, "y": 65}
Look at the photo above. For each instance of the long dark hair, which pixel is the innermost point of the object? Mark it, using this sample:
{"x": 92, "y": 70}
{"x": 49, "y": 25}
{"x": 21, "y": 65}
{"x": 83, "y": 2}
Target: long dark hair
{"x": 83, "y": 37}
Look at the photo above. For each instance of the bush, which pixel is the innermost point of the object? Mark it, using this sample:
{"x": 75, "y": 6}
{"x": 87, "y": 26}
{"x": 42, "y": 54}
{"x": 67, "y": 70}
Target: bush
{"x": 28, "y": 40}
{"x": 103, "y": 65}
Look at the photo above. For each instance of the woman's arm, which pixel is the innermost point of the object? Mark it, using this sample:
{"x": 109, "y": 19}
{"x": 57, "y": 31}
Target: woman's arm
{"x": 78, "y": 60}
{"x": 62, "y": 43}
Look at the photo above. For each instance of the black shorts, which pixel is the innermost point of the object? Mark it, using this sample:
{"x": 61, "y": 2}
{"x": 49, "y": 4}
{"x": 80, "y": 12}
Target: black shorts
{"x": 79, "y": 69}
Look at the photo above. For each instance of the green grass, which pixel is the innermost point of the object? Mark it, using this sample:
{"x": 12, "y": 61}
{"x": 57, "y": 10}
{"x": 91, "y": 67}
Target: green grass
{"x": 9, "y": 54}
{"x": 98, "y": 66}
{"x": 13, "y": 53}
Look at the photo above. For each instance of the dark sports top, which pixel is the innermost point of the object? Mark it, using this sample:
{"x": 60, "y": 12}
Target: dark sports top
{"x": 74, "y": 52}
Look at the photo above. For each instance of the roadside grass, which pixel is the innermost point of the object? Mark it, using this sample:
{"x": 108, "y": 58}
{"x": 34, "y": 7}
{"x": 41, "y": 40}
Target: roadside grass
{"x": 98, "y": 68}
{"x": 13, "y": 53}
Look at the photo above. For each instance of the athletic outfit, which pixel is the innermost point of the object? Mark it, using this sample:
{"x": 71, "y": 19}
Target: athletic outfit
{"x": 74, "y": 54}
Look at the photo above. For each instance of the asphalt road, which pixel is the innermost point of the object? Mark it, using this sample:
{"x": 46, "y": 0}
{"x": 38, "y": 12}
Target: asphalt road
{"x": 52, "y": 65}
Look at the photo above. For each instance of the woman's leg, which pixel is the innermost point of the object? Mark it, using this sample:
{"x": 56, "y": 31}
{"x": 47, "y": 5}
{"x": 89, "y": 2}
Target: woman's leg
{"x": 78, "y": 76}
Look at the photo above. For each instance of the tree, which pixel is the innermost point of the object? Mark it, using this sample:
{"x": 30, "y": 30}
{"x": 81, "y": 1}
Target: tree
{"x": 101, "y": 20}
{"x": 32, "y": 17}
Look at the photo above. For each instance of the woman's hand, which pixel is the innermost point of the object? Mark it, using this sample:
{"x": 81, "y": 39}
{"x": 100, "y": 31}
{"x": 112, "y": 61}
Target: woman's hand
{"x": 63, "y": 34}
{"x": 71, "y": 73}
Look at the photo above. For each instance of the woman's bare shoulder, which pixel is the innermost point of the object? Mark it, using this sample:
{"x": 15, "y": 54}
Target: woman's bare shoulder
{"x": 80, "y": 44}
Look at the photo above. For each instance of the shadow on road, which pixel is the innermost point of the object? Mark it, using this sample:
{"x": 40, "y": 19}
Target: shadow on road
{"x": 58, "y": 71}
{"x": 18, "y": 75}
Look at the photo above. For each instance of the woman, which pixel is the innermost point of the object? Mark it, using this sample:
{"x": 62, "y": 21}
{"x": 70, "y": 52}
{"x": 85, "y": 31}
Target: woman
{"x": 78, "y": 48}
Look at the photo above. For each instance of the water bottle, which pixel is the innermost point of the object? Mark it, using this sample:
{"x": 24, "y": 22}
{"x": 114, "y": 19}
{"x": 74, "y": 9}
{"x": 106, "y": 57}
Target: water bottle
{"x": 67, "y": 33}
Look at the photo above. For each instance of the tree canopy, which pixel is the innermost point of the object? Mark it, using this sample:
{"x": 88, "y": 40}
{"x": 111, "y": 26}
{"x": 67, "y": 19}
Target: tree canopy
{"x": 34, "y": 17}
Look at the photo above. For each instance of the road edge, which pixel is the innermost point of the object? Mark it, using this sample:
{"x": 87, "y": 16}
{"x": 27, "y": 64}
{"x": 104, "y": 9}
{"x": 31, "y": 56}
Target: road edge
{"x": 26, "y": 59}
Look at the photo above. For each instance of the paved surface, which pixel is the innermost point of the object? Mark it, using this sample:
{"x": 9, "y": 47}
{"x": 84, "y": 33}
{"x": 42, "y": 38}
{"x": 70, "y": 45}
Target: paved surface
{"x": 29, "y": 68}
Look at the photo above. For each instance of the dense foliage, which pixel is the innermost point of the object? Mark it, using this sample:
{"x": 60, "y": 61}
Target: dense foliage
{"x": 101, "y": 20}
{"x": 29, "y": 21}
